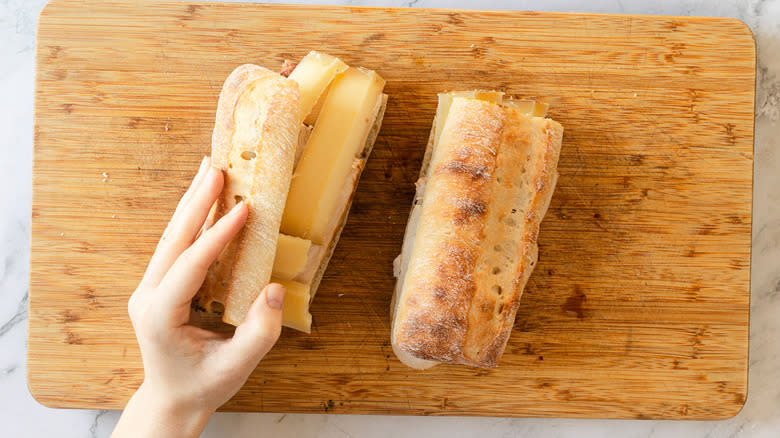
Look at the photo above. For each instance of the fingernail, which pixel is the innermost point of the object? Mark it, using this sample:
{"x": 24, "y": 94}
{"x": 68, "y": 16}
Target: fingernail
{"x": 274, "y": 295}
{"x": 235, "y": 209}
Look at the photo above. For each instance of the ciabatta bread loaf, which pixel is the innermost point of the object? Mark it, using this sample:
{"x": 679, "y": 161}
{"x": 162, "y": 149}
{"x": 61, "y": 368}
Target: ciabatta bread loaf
{"x": 471, "y": 242}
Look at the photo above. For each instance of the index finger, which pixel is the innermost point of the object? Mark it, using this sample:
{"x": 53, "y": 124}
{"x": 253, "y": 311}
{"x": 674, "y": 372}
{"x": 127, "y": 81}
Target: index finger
{"x": 185, "y": 224}
{"x": 186, "y": 275}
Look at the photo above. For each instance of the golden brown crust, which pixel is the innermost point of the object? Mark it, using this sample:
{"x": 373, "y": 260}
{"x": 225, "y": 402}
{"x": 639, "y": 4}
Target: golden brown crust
{"x": 541, "y": 138}
{"x": 254, "y": 142}
{"x": 487, "y": 187}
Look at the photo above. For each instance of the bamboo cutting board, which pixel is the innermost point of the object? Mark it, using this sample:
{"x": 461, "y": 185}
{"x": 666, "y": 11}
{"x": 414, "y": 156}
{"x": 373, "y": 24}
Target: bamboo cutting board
{"x": 638, "y": 307}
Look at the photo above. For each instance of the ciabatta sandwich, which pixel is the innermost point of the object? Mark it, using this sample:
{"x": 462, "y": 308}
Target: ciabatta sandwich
{"x": 299, "y": 179}
{"x": 487, "y": 178}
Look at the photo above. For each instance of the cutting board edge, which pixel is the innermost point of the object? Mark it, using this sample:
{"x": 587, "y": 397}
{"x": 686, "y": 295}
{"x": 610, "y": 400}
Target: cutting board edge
{"x": 44, "y": 13}
{"x": 50, "y": 401}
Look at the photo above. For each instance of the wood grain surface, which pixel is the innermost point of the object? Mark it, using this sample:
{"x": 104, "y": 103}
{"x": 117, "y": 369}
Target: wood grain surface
{"x": 638, "y": 307}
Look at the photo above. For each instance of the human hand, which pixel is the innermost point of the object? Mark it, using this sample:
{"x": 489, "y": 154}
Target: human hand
{"x": 190, "y": 372}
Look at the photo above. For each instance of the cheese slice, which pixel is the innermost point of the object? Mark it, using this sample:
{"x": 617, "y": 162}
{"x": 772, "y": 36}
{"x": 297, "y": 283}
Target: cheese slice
{"x": 313, "y": 74}
{"x": 311, "y": 118}
{"x": 528, "y": 107}
{"x": 295, "y": 313}
{"x": 486, "y": 95}
{"x": 291, "y": 256}
{"x": 339, "y": 136}
{"x": 303, "y": 139}
{"x": 339, "y": 106}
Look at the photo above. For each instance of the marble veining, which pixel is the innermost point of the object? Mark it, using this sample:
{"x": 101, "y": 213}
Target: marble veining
{"x": 19, "y": 316}
{"x": 20, "y": 415}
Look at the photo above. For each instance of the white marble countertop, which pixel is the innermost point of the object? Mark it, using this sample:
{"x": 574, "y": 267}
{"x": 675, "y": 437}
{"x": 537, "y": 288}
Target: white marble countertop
{"x": 20, "y": 415}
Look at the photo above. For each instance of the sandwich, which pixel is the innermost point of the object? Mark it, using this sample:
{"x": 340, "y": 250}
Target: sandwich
{"x": 487, "y": 178}
{"x": 298, "y": 177}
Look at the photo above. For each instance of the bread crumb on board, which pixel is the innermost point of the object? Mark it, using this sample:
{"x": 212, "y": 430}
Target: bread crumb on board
{"x": 105, "y": 177}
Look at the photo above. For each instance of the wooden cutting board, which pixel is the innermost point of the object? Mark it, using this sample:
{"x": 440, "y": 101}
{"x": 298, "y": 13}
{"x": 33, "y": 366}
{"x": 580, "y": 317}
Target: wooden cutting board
{"x": 638, "y": 307}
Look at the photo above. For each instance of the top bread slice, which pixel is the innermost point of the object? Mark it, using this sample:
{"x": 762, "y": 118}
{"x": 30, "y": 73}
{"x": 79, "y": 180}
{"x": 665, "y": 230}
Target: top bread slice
{"x": 471, "y": 242}
{"x": 254, "y": 142}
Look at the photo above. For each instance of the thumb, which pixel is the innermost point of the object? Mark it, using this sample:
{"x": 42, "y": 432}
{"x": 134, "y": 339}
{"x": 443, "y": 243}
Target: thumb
{"x": 262, "y": 326}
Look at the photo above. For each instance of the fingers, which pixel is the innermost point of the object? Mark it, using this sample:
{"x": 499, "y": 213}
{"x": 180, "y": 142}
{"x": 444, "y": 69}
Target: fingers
{"x": 185, "y": 224}
{"x": 190, "y": 219}
{"x": 202, "y": 170}
{"x": 186, "y": 275}
{"x": 210, "y": 219}
{"x": 259, "y": 332}
{"x": 156, "y": 270}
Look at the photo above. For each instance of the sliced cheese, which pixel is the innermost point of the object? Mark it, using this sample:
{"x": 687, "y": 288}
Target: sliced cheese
{"x": 291, "y": 256}
{"x": 311, "y": 118}
{"x": 442, "y": 111}
{"x": 528, "y": 107}
{"x": 339, "y": 136}
{"x": 303, "y": 138}
{"x": 313, "y": 74}
{"x": 486, "y": 95}
{"x": 295, "y": 313}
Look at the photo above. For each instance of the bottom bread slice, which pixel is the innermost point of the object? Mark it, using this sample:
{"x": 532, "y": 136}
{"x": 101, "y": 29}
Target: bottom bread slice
{"x": 471, "y": 241}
